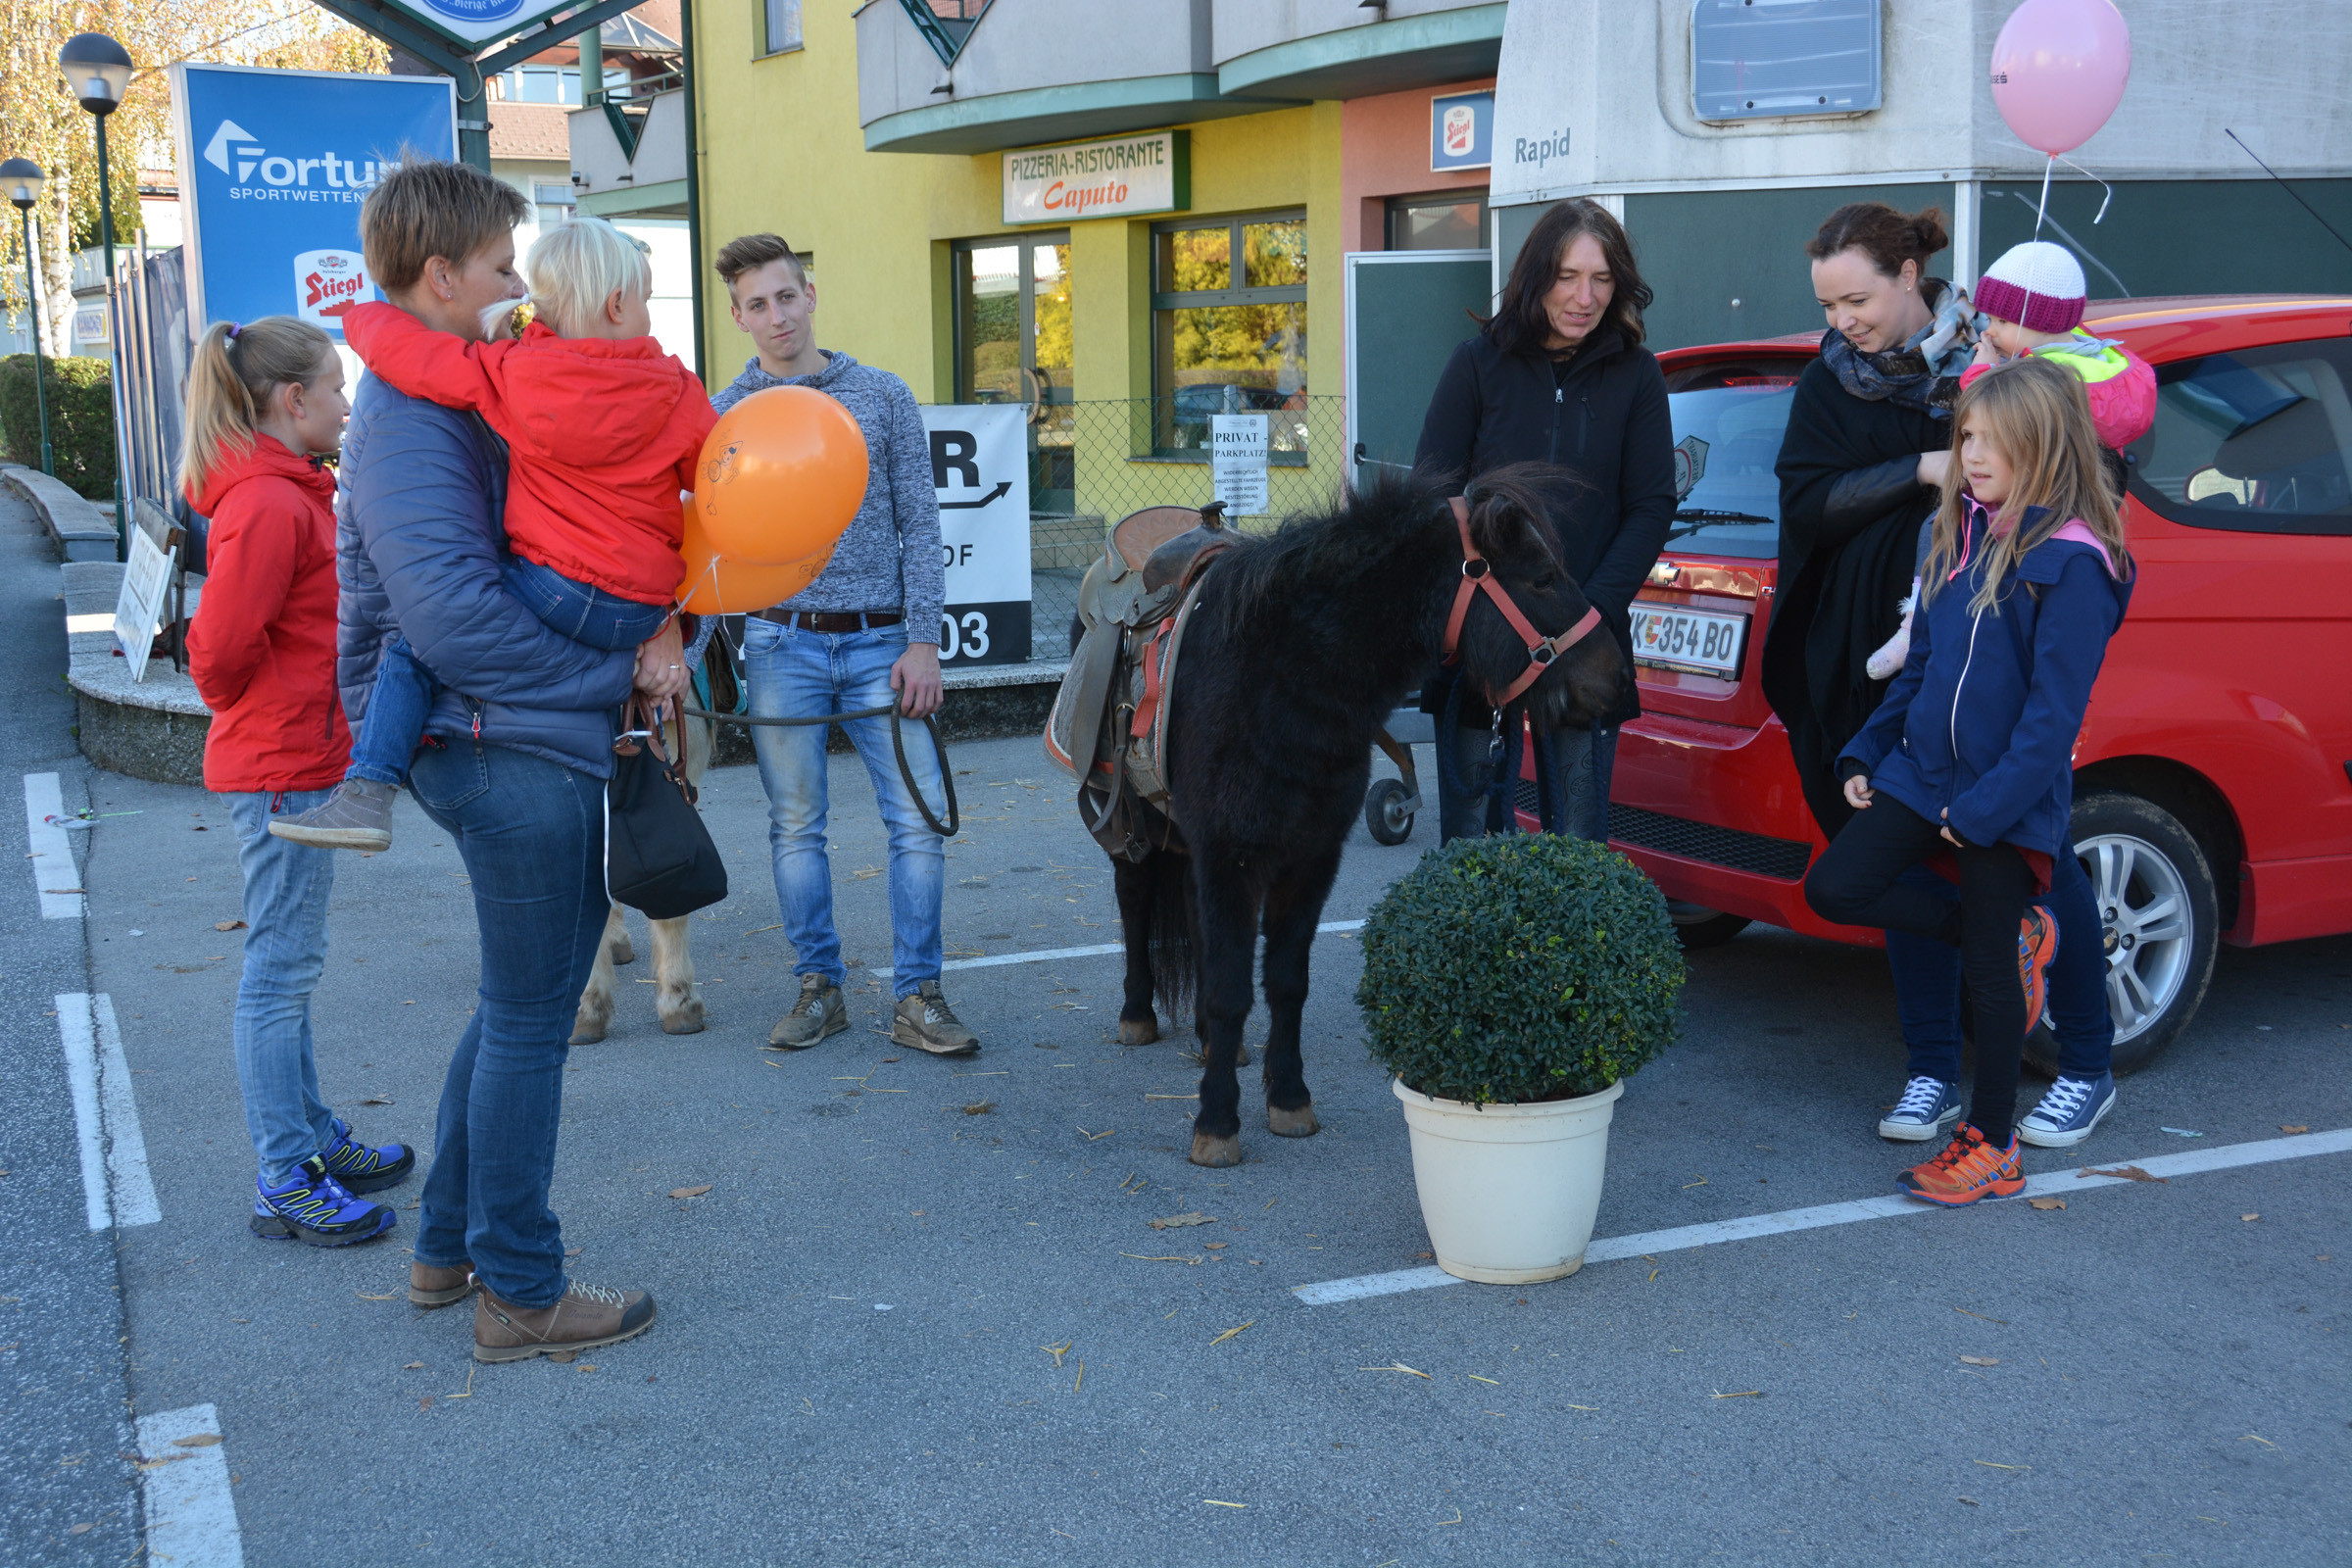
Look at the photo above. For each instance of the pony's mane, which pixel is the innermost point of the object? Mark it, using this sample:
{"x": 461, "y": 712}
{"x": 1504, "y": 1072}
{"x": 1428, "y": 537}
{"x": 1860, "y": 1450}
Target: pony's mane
{"x": 1366, "y": 528}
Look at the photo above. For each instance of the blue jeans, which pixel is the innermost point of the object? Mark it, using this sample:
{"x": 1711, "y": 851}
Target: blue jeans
{"x": 286, "y": 888}
{"x": 405, "y": 689}
{"x": 795, "y": 673}
{"x": 1574, "y": 767}
{"x": 1926, "y": 982}
{"x": 531, "y": 833}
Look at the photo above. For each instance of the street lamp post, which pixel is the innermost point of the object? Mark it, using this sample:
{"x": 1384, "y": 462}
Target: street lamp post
{"x": 97, "y": 71}
{"x": 21, "y": 179}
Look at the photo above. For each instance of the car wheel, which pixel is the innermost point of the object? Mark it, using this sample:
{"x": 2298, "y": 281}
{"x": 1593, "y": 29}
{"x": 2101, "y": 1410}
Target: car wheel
{"x": 1385, "y": 815}
{"x": 2160, "y": 919}
{"x": 1698, "y": 926}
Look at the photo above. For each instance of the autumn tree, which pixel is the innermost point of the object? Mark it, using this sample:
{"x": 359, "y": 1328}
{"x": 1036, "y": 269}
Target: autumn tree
{"x": 40, "y": 120}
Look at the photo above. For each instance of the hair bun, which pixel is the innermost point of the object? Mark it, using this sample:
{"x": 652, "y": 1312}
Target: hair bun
{"x": 1927, "y": 227}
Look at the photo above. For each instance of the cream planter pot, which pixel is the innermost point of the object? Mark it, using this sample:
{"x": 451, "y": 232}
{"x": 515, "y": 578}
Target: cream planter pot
{"x": 1510, "y": 1193}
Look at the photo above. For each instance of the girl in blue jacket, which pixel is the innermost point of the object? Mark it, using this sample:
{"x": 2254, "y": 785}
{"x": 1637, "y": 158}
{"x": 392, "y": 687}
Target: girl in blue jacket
{"x": 1971, "y": 753}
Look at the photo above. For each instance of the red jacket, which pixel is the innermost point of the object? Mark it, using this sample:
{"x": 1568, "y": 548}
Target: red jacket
{"x": 602, "y": 437}
{"x": 263, "y": 646}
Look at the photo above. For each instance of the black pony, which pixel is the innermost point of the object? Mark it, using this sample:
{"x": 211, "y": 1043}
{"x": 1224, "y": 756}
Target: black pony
{"x": 1303, "y": 641}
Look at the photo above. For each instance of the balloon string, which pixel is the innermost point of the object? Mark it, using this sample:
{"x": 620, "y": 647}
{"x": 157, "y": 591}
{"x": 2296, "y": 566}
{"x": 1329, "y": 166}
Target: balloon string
{"x": 2044, "y": 209}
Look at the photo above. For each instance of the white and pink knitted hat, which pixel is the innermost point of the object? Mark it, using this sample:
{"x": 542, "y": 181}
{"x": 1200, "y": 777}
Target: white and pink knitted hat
{"x": 2037, "y": 285}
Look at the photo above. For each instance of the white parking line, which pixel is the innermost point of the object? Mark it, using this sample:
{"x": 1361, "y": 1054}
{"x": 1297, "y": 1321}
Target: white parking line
{"x": 52, "y": 858}
{"x": 117, "y": 1188}
{"x": 1099, "y": 949}
{"x": 1682, "y": 1238}
{"x": 191, "y": 1512}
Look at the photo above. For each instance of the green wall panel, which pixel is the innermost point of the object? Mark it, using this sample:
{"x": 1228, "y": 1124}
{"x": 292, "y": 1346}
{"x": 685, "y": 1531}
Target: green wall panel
{"x": 1408, "y": 317}
{"x": 2186, "y": 236}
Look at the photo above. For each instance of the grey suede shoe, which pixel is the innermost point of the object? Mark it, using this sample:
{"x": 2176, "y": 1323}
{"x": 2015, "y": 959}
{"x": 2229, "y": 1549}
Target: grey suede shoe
{"x": 358, "y": 816}
{"x": 926, "y": 1023}
{"x": 819, "y": 1013}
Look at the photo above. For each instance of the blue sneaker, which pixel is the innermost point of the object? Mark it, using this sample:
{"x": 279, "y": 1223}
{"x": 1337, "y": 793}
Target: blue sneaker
{"x": 312, "y": 1206}
{"x": 360, "y": 1169}
{"x": 1927, "y": 1113}
{"x": 2069, "y": 1111}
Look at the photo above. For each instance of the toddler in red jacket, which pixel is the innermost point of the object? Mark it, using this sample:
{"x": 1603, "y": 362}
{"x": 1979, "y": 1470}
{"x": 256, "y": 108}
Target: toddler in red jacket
{"x": 603, "y": 430}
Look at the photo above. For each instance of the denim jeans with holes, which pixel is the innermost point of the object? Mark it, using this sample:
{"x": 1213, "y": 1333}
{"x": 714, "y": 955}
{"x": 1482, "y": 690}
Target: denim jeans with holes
{"x": 794, "y": 672}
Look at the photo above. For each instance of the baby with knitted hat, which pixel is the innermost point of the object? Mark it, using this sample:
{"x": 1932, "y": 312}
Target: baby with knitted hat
{"x": 2032, "y": 301}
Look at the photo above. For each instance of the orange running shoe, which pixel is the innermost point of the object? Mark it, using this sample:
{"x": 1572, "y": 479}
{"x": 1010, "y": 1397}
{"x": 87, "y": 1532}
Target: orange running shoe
{"x": 1968, "y": 1168}
{"x": 2036, "y": 946}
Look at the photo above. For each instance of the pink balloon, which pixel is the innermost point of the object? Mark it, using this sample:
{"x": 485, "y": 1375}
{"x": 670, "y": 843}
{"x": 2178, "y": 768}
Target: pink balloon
{"x": 2058, "y": 70}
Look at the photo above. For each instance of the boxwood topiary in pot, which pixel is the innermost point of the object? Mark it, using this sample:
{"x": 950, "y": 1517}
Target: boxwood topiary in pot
{"x": 1511, "y": 983}
{"x": 1519, "y": 968}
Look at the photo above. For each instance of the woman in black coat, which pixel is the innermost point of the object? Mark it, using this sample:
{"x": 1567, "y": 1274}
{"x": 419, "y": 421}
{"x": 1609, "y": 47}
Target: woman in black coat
{"x": 1559, "y": 375}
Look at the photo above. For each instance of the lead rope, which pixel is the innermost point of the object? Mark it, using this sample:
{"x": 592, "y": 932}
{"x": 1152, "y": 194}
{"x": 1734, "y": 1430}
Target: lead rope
{"x": 898, "y": 744}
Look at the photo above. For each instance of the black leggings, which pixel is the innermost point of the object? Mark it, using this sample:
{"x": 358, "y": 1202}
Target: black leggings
{"x": 1855, "y": 883}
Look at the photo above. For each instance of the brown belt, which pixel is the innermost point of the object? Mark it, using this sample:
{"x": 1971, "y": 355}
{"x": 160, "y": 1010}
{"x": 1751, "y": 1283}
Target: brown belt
{"x": 832, "y": 620}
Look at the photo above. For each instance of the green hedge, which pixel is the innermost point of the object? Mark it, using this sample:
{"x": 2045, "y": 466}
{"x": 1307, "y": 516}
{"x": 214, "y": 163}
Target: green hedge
{"x": 1517, "y": 968}
{"x": 81, "y": 420}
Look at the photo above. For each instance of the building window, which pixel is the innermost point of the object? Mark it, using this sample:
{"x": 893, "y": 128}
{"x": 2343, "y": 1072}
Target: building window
{"x": 1443, "y": 221}
{"x": 1014, "y": 345}
{"x": 552, "y": 84}
{"x": 1229, "y": 327}
{"x": 779, "y": 25}
{"x": 556, "y": 199}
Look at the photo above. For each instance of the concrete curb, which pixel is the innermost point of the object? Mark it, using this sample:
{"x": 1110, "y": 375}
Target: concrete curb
{"x": 153, "y": 729}
{"x": 82, "y": 531}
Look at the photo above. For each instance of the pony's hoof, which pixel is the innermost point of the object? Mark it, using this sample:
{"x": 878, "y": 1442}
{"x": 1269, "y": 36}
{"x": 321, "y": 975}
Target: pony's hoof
{"x": 1139, "y": 1031}
{"x": 588, "y": 1031}
{"x": 1299, "y": 1123}
{"x": 685, "y": 1019}
{"x": 621, "y": 949}
{"x": 1216, "y": 1152}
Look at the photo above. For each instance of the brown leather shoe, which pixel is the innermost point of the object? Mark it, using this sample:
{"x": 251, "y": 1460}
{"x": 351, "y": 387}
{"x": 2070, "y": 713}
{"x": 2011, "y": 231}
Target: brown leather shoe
{"x": 583, "y": 1317}
{"x": 431, "y": 1287}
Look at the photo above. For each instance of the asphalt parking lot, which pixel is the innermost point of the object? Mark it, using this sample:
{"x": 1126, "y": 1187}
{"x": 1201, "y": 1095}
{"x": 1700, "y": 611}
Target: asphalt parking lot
{"x": 920, "y": 1316}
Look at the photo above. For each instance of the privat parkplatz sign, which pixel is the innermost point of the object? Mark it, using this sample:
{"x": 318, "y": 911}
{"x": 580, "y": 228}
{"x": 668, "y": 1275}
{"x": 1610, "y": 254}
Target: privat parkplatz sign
{"x": 476, "y": 22}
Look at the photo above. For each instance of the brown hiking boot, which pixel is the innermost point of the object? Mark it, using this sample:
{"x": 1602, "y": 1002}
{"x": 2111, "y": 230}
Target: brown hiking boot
{"x": 583, "y": 1317}
{"x": 430, "y": 1286}
{"x": 819, "y": 1013}
{"x": 926, "y": 1023}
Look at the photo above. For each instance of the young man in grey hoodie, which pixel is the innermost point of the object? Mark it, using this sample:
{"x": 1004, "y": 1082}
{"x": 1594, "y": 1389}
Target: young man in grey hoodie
{"x": 865, "y": 632}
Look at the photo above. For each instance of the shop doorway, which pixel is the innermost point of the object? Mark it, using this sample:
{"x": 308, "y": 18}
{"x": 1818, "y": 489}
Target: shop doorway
{"x": 1012, "y": 345}
{"x": 1407, "y": 309}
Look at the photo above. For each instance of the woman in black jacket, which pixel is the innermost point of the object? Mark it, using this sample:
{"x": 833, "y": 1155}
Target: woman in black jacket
{"x": 1559, "y": 375}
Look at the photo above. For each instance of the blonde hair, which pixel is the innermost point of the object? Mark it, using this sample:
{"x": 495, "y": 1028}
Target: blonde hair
{"x": 2039, "y": 415}
{"x": 577, "y": 265}
{"x": 425, "y": 207}
{"x": 234, "y": 371}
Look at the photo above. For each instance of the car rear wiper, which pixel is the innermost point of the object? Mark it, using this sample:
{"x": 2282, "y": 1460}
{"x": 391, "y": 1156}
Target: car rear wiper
{"x": 1700, "y": 516}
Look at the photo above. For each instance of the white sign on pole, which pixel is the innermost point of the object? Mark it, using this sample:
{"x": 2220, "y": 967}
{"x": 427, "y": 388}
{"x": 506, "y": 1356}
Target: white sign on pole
{"x": 980, "y": 467}
{"x": 1237, "y": 462}
{"x": 140, "y": 603}
{"x": 1117, "y": 178}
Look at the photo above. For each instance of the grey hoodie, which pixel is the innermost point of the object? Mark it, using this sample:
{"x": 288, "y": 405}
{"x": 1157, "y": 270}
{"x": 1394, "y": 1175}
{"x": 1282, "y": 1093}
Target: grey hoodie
{"x": 889, "y": 557}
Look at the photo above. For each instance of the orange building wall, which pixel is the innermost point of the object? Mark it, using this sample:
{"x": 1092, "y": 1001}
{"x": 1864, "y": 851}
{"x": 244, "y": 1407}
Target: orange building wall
{"x": 1384, "y": 152}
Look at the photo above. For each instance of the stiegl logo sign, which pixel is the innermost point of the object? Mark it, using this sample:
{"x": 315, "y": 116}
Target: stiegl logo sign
{"x": 237, "y": 153}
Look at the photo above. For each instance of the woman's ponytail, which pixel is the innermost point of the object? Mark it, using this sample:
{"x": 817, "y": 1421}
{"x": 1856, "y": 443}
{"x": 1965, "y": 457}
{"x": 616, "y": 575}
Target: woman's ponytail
{"x": 235, "y": 369}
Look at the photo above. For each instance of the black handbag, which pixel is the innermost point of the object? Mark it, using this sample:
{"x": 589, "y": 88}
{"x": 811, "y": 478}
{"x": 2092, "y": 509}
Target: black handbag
{"x": 659, "y": 857}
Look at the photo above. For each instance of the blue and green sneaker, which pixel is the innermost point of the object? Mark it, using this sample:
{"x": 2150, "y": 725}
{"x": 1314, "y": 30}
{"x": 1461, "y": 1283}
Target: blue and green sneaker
{"x": 362, "y": 1169}
{"x": 311, "y": 1206}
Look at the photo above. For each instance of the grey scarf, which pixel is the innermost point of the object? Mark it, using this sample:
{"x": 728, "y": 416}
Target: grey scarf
{"x": 1925, "y": 372}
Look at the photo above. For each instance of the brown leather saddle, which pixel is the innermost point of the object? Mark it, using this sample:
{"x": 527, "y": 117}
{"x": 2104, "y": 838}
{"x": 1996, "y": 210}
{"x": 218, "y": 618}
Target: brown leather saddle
{"x": 1108, "y": 728}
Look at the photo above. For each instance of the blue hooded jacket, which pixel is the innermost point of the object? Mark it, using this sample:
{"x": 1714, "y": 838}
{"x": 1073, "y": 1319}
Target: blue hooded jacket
{"x": 420, "y": 542}
{"x": 1982, "y": 722}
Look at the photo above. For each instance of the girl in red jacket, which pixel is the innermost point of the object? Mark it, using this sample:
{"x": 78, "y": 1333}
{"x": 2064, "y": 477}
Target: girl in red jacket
{"x": 603, "y": 431}
{"x": 264, "y": 403}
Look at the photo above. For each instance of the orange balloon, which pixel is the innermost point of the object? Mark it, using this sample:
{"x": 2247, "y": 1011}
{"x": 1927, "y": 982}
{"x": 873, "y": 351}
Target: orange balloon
{"x": 720, "y": 585}
{"x": 782, "y": 474}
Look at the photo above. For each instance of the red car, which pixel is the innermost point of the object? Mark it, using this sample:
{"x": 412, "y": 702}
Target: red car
{"x": 2213, "y": 777}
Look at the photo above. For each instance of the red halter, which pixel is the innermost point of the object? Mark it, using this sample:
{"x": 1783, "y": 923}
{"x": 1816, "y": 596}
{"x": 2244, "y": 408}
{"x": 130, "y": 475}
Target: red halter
{"x": 1478, "y": 576}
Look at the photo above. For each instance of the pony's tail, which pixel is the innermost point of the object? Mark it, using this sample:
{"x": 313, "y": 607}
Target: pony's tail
{"x": 1175, "y": 969}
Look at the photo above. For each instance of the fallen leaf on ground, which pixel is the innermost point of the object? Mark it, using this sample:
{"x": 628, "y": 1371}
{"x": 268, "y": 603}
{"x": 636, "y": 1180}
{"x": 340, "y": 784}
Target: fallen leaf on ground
{"x": 1212, "y": 1501}
{"x": 1990, "y": 1465}
{"x": 1230, "y": 1333}
{"x": 2298, "y": 1127}
{"x": 1058, "y": 1351}
{"x": 2250, "y": 1216}
{"x": 197, "y": 1440}
{"x": 2265, "y": 1442}
{"x": 1398, "y": 1366}
{"x": 1971, "y": 1502}
{"x": 1216, "y": 1246}
{"x": 1174, "y": 1221}
{"x": 1981, "y": 1360}
{"x": 1744, "y": 1393}
{"x": 2127, "y": 1172}
{"x": 571, "y": 1252}
{"x": 1141, "y": 1259}
{"x": 85, "y": 1529}
{"x": 690, "y": 1191}
{"x": 2045, "y": 1202}
{"x": 2180, "y": 1132}
{"x": 1964, "y": 1312}
{"x": 386, "y": 1296}
{"x": 412, "y": 1366}
{"x": 228, "y": 925}
{"x": 1097, "y": 1137}
{"x": 425, "y": 1403}
{"x": 377, "y": 1100}
{"x": 979, "y": 1108}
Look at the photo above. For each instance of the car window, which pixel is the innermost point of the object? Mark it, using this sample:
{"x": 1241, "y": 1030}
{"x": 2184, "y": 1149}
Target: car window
{"x": 2256, "y": 441}
{"x": 1728, "y": 421}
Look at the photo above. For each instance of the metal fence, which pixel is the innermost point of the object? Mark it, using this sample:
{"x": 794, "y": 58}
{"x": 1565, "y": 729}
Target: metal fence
{"x": 1091, "y": 463}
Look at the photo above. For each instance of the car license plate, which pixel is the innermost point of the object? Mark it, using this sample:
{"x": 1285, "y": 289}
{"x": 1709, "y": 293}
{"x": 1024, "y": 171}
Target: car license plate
{"x": 1667, "y": 637}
